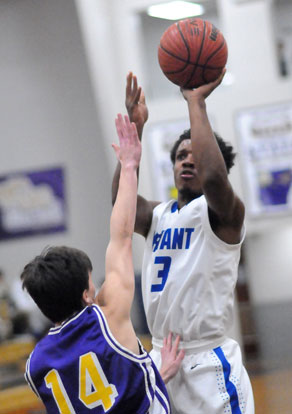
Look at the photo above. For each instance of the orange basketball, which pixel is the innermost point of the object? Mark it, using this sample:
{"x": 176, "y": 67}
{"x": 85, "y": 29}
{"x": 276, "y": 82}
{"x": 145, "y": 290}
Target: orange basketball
{"x": 192, "y": 52}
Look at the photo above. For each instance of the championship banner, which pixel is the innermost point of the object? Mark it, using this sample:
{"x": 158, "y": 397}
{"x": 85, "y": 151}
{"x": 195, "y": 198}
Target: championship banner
{"x": 32, "y": 203}
{"x": 266, "y": 158}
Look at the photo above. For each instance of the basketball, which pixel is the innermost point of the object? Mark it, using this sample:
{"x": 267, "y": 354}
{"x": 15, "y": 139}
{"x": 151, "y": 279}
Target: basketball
{"x": 192, "y": 52}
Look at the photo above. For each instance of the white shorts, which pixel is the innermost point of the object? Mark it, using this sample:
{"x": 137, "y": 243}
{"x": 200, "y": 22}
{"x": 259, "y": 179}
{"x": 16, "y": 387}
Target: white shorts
{"x": 212, "y": 381}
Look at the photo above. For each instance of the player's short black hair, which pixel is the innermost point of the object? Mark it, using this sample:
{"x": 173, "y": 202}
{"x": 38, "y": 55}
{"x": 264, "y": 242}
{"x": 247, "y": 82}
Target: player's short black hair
{"x": 226, "y": 149}
{"x": 56, "y": 280}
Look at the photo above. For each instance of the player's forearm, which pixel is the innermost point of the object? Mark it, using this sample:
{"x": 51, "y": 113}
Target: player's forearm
{"x": 140, "y": 127}
{"x": 208, "y": 158}
{"x": 124, "y": 210}
{"x": 115, "y": 182}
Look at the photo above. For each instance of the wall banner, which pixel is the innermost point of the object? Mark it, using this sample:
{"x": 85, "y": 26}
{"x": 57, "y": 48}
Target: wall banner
{"x": 32, "y": 203}
{"x": 265, "y": 141}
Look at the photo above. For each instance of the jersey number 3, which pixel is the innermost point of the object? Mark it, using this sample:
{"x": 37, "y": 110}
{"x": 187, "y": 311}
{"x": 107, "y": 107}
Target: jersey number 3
{"x": 162, "y": 273}
{"x": 94, "y": 389}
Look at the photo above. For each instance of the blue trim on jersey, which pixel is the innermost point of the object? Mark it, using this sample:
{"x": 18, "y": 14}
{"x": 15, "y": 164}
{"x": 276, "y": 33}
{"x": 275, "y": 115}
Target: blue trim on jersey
{"x": 174, "y": 207}
{"x": 230, "y": 387}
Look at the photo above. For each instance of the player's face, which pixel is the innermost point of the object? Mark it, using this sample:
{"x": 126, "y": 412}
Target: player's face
{"x": 185, "y": 173}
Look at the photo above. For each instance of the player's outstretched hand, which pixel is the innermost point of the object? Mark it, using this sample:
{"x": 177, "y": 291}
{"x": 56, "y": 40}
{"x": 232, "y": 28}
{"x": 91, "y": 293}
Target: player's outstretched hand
{"x": 135, "y": 102}
{"x": 203, "y": 91}
{"x": 171, "y": 357}
{"x": 129, "y": 150}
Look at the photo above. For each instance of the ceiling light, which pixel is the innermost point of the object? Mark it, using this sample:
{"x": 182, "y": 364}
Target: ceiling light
{"x": 175, "y": 10}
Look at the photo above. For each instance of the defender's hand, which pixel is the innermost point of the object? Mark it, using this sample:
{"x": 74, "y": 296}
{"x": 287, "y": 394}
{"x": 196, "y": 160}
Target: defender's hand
{"x": 129, "y": 151}
{"x": 171, "y": 358}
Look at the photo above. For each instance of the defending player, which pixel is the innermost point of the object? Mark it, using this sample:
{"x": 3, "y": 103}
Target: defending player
{"x": 190, "y": 263}
{"x": 91, "y": 361}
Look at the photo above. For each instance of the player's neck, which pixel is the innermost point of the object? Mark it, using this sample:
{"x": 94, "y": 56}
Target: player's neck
{"x": 69, "y": 317}
{"x": 185, "y": 196}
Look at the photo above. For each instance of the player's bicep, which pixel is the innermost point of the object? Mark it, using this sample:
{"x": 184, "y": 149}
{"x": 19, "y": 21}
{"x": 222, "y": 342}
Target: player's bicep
{"x": 144, "y": 215}
{"x": 118, "y": 256}
{"x": 228, "y": 226}
{"x": 222, "y": 200}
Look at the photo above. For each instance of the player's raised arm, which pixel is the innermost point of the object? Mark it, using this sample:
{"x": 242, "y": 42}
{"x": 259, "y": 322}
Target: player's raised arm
{"x": 138, "y": 113}
{"x": 209, "y": 162}
{"x": 118, "y": 290}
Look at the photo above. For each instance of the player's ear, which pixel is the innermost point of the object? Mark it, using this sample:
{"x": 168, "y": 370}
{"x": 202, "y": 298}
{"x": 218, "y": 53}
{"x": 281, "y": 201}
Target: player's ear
{"x": 86, "y": 298}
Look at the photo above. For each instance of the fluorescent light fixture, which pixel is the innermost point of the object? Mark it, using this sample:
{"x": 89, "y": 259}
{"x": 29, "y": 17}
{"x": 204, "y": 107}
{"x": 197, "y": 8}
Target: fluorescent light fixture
{"x": 175, "y": 10}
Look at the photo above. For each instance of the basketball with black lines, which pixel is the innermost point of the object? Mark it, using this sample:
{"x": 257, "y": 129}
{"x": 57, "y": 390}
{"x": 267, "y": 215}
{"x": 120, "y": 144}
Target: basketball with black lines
{"x": 192, "y": 52}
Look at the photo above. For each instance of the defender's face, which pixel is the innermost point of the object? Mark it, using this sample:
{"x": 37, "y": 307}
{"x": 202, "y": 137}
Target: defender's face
{"x": 185, "y": 173}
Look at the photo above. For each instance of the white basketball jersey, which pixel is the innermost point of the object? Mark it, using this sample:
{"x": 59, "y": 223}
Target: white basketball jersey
{"x": 188, "y": 274}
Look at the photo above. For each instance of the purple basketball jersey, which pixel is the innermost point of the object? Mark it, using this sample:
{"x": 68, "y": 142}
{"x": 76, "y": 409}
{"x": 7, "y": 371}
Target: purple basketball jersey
{"x": 79, "y": 368}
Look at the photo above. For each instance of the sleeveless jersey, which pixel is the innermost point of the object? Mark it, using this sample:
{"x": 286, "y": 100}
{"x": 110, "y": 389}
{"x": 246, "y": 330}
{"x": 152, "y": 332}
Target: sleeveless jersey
{"x": 79, "y": 368}
{"x": 188, "y": 275}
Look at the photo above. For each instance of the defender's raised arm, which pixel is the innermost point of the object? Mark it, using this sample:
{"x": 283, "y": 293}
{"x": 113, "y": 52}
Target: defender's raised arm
{"x": 118, "y": 289}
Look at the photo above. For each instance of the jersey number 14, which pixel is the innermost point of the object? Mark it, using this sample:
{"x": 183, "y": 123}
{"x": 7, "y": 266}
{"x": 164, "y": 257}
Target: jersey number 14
{"x": 94, "y": 388}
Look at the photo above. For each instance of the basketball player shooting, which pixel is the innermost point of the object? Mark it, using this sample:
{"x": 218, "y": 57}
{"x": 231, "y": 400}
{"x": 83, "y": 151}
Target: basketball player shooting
{"x": 191, "y": 260}
{"x": 91, "y": 360}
